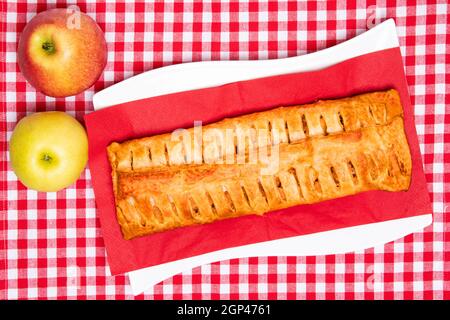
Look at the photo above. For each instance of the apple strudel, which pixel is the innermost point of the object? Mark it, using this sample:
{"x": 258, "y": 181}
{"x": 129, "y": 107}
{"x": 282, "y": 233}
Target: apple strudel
{"x": 260, "y": 162}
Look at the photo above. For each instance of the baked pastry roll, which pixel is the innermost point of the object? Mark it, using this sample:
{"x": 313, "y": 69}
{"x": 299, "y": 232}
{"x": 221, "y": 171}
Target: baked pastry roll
{"x": 260, "y": 162}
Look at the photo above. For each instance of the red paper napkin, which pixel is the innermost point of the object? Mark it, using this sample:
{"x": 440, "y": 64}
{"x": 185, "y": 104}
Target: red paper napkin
{"x": 376, "y": 71}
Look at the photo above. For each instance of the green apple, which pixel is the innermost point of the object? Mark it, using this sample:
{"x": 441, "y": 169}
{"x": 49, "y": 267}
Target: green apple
{"x": 48, "y": 150}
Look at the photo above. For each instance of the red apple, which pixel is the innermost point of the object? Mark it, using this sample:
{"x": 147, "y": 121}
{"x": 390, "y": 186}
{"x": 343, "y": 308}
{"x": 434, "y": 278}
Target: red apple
{"x": 62, "y": 52}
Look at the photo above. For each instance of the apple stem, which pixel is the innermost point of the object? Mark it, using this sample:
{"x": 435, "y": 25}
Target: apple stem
{"x": 47, "y": 158}
{"x": 49, "y": 47}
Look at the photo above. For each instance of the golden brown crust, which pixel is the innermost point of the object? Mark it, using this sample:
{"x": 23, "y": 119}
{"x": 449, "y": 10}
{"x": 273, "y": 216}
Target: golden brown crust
{"x": 326, "y": 150}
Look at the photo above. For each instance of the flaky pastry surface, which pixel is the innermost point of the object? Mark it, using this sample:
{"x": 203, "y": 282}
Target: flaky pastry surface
{"x": 326, "y": 150}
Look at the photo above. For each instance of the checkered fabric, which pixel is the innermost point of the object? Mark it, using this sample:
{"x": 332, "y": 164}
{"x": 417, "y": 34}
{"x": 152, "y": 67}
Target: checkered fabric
{"x": 51, "y": 244}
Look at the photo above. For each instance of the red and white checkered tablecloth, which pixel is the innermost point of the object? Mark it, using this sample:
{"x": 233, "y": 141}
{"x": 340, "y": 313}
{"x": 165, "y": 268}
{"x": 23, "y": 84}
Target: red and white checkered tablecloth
{"x": 51, "y": 244}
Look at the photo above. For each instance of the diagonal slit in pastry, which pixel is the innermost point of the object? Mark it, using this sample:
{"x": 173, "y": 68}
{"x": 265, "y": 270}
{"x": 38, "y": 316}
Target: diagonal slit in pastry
{"x": 338, "y": 150}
